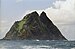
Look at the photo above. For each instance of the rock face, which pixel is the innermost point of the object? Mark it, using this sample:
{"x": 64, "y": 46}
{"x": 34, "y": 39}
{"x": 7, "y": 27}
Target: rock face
{"x": 33, "y": 26}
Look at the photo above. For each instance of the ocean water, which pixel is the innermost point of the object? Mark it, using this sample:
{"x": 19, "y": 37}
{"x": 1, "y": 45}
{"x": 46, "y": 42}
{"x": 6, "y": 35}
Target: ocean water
{"x": 36, "y": 44}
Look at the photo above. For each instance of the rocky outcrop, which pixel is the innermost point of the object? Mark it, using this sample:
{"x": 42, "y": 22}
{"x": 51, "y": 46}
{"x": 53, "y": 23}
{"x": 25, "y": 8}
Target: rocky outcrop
{"x": 33, "y": 26}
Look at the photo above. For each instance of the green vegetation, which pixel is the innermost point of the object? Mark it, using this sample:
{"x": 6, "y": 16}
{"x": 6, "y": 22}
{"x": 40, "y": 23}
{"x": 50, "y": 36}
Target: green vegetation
{"x": 21, "y": 25}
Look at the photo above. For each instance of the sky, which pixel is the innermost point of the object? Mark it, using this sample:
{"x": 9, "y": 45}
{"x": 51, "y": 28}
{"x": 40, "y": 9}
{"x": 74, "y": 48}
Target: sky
{"x": 61, "y": 12}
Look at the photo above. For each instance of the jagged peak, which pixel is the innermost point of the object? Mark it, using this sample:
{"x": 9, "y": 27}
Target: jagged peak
{"x": 44, "y": 18}
{"x": 32, "y": 14}
{"x": 43, "y": 14}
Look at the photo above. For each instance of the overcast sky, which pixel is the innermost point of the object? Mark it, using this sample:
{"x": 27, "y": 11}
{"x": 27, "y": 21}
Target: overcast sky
{"x": 61, "y": 12}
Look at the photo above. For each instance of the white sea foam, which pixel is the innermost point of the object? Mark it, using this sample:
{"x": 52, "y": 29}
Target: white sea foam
{"x": 37, "y": 40}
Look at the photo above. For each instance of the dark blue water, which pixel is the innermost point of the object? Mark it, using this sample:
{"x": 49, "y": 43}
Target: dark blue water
{"x": 36, "y": 44}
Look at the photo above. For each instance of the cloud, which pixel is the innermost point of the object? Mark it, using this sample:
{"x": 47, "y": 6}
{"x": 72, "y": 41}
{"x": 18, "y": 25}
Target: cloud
{"x": 63, "y": 11}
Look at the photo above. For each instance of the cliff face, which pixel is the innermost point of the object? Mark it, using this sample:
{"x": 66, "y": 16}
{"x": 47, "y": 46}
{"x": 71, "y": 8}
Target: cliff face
{"x": 33, "y": 26}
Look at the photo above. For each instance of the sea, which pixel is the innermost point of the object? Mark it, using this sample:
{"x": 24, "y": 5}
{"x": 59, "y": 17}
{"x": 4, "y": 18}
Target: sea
{"x": 36, "y": 44}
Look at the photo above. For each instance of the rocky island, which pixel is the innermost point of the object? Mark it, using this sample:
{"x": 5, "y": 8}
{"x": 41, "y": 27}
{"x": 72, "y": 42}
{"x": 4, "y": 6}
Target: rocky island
{"x": 33, "y": 26}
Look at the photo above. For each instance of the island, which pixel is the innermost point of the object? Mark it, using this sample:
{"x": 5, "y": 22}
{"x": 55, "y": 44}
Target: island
{"x": 34, "y": 26}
